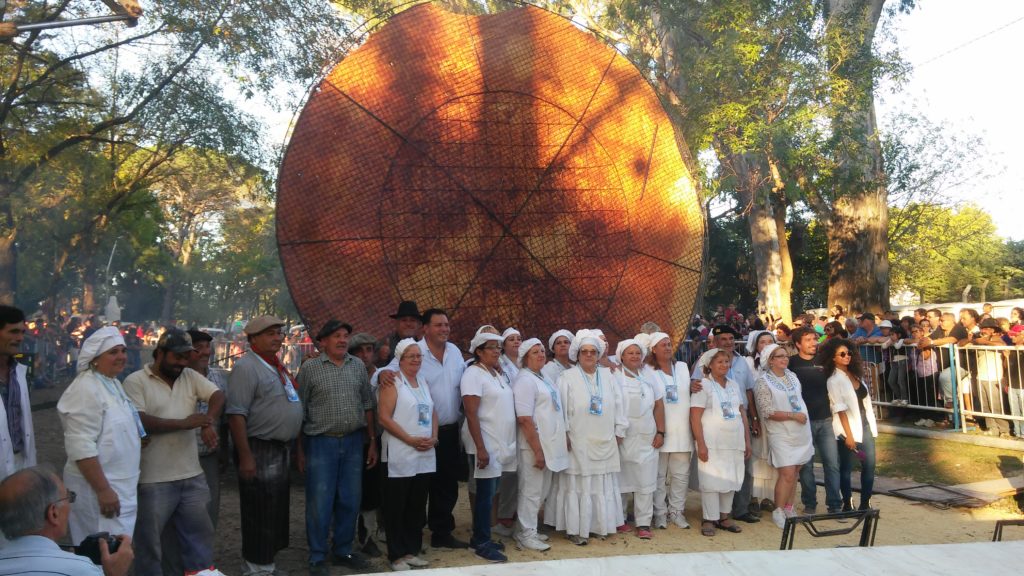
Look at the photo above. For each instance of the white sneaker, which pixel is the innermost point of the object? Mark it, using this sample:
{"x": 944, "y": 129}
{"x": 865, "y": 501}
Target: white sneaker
{"x": 679, "y": 520}
{"x": 789, "y": 512}
{"x": 779, "y": 517}
{"x": 417, "y": 562}
{"x": 400, "y": 565}
{"x": 501, "y": 530}
{"x": 660, "y": 521}
{"x": 531, "y": 543}
{"x": 542, "y": 537}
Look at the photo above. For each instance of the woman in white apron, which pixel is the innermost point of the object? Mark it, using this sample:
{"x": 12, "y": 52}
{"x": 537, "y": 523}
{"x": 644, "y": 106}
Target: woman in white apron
{"x": 103, "y": 440}
{"x": 587, "y": 499}
{"x": 406, "y": 412}
{"x": 720, "y": 432}
{"x": 542, "y": 442}
{"x": 488, "y": 434}
{"x": 765, "y": 476}
{"x": 559, "y": 343}
{"x": 782, "y": 409}
{"x": 508, "y": 484}
{"x": 638, "y": 453}
{"x": 672, "y": 380}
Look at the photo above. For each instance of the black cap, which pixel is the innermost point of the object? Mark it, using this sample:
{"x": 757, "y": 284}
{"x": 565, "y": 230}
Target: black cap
{"x": 990, "y": 323}
{"x": 175, "y": 340}
{"x": 332, "y": 326}
{"x": 724, "y": 329}
{"x": 407, "y": 308}
{"x": 866, "y": 316}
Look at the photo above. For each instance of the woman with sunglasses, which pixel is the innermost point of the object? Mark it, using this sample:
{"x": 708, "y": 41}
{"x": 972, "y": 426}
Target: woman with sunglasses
{"x": 781, "y": 406}
{"x": 587, "y": 496}
{"x": 853, "y": 419}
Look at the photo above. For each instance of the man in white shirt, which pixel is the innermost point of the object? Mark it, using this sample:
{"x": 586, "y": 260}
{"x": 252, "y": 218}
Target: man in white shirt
{"x": 442, "y": 369}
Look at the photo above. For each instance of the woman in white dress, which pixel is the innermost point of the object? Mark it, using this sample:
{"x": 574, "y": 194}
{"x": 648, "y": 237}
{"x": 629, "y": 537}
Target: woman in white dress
{"x": 103, "y": 440}
{"x": 542, "y": 442}
{"x": 765, "y": 476}
{"x": 489, "y": 435}
{"x": 406, "y": 412}
{"x": 672, "y": 380}
{"x": 559, "y": 343}
{"x": 722, "y": 438}
{"x": 638, "y": 453}
{"x": 587, "y": 499}
{"x": 782, "y": 409}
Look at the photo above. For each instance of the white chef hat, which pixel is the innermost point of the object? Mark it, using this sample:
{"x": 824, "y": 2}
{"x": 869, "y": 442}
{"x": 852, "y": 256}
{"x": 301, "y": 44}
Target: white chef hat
{"x": 582, "y": 338}
{"x": 657, "y": 337}
{"x": 644, "y": 340}
{"x": 99, "y": 342}
{"x": 402, "y": 345}
{"x": 525, "y": 347}
{"x": 562, "y": 332}
{"x": 508, "y": 332}
{"x": 623, "y": 344}
{"x": 706, "y": 357}
{"x": 482, "y": 338}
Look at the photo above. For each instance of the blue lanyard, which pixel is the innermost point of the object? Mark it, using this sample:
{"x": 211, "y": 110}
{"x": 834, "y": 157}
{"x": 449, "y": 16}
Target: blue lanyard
{"x": 661, "y": 376}
{"x": 721, "y": 393}
{"x": 636, "y": 376}
{"x": 418, "y": 392}
{"x": 786, "y": 387}
{"x": 590, "y": 387}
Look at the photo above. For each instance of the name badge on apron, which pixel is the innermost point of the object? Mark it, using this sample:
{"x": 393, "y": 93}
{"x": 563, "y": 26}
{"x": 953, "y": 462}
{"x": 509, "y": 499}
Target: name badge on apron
{"x": 554, "y": 400}
{"x": 596, "y": 405}
{"x": 672, "y": 393}
{"x": 794, "y": 402}
{"x": 423, "y": 410}
{"x": 138, "y": 422}
{"x": 727, "y": 412}
{"x": 290, "y": 392}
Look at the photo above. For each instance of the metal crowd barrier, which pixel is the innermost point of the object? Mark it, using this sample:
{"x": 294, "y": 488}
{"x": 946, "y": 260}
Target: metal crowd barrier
{"x": 977, "y": 382}
{"x": 226, "y": 352}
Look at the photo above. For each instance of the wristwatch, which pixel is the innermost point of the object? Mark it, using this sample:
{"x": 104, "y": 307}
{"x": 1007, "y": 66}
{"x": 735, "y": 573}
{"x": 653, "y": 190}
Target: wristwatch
{"x": 660, "y": 432}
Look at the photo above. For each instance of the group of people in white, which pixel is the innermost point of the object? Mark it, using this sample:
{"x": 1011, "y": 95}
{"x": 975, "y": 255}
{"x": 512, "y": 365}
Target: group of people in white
{"x": 587, "y": 441}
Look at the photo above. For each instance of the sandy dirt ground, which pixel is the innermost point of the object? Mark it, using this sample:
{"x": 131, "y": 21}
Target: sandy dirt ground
{"x": 901, "y": 522}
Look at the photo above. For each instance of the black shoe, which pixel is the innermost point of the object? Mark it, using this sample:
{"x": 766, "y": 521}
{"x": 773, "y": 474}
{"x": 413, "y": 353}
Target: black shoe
{"x": 370, "y": 548}
{"x": 748, "y": 518}
{"x": 447, "y": 541}
{"x": 319, "y": 569}
{"x": 355, "y": 561}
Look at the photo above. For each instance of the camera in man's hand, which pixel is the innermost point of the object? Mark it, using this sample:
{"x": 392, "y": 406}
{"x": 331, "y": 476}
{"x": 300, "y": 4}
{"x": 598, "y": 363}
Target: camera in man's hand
{"x": 90, "y": 547}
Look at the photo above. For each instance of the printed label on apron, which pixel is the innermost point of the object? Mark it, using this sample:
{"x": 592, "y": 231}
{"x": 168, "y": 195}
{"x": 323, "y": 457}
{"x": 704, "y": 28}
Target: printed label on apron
{"x": 290, "y": 392}
{"x": 423, "y": 410}
{"x": 727, "y": 412}
{"x": 138, "y": 422}
{"x": 794, "y": 402}
{"x": 596, "y": 406}
{"x": 672, "y": 393}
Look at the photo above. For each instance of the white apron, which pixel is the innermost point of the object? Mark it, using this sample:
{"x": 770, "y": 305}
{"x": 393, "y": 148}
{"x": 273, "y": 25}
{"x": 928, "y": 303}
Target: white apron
{"x": 639, "y": 459}
{"x": 724, "y": 470}
{"x": 497, "y": 417}
{"x": 678, "y": 435}
{"x": 403, "y": 460}
{"x": 789, "y": 442}
{"x": 120, "y": 450}
{"x": 549, "y": 422}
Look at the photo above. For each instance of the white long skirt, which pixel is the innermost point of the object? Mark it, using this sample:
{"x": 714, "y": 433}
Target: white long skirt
{"x": 723, "y": 472}
{"x": 584, "y": 505}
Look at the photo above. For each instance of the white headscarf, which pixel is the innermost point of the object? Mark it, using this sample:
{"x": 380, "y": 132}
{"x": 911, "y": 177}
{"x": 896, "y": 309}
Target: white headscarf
{"x": 706, "y": 357}
{"x": 508, "y": 332}
{"x": 402, "y": 345}
{"x": 582, "y": 338}
{"x": 525, "y": 347}
{"x": 765, "y": 355}
{"x": 482, "y": 338}
{"x": 101, "y": 340}
{"x": 626, "y": 344}
{"x": 752, "y": 340}
{"x": 563, "y": 332}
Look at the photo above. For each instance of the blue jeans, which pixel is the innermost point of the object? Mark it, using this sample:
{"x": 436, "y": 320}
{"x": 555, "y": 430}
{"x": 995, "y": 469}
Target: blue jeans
{"x": 1016, "y": 396}
{"x": 334, "y": 478}
{"x": 485, "y": 489}
{"x": 182, "y": 505}
{"x": 867, "y": 468}
{"x": 825, "y": 447}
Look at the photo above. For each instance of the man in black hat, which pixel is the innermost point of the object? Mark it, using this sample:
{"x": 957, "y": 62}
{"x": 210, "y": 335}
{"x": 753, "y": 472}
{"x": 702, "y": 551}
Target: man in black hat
{"x": 172, "y": 487}
{"x": 337, "y": 420}
{"x": 408, "y": 324}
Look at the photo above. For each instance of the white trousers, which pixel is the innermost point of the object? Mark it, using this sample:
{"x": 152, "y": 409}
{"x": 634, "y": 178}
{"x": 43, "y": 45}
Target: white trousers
{"x": 534, "y": 486}
{"x": 643, "y": 508}
{"x": 673, "y": 483}
{"x": 715, "y": 504}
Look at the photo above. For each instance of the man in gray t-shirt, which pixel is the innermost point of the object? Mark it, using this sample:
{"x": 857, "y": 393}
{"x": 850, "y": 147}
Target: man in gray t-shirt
{"x": 264, "y": 414}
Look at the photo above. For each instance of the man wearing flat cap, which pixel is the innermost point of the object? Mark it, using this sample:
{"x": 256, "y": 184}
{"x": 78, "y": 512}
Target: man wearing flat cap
{"x": 264, "y": 415}
{"x": 172, "y": 487}
{"x": 408, "y": 324}
{"x": 337, "y": 420}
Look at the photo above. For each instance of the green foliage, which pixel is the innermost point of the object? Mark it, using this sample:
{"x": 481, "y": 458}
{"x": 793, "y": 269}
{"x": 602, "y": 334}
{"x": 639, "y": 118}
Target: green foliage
{"x": 729, "y": 258}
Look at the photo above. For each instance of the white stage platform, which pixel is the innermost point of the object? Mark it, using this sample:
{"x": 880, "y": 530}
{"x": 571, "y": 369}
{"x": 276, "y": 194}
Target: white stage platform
{"x": 965, "y": 559}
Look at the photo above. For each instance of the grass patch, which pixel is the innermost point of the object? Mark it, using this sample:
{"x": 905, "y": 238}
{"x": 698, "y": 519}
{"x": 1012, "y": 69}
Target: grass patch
{"x": 945, "y": 463}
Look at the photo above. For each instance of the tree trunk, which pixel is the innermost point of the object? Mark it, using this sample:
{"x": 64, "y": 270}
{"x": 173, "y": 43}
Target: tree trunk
{"x": 786, "y": 259}
{"x": 859, "y": 219}
{"x": 8, "y": 268}
{"x": 167, "y": 309}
